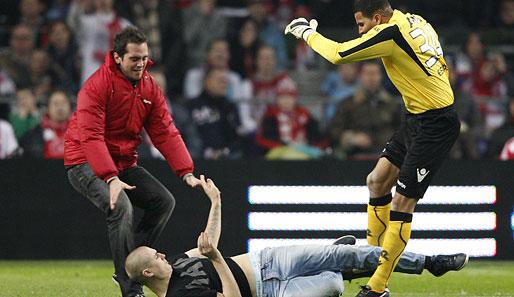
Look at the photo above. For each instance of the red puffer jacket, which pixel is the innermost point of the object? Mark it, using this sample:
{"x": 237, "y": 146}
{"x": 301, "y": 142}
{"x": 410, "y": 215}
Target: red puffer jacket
{"x": 110, "y": 114}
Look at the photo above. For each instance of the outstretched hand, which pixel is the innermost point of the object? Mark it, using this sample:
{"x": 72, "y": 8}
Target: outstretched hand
{"x": 115, "y": 187}
{"x": 300, "y": 28}
{"x": 193, "y": 182}
{"x": 210, "y": 188}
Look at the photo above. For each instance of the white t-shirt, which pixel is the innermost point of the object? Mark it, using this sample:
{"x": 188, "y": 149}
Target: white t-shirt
{"x": 8, "y": 141}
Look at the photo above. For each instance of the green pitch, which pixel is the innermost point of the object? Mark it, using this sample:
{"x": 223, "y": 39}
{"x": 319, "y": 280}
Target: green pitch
{"x": 92, "y": 278}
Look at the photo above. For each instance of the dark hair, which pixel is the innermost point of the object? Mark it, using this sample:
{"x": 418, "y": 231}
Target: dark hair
{"x": 130, "y": 34}
{"x": 62, "y": 91}
{"x": 369, "y": 7}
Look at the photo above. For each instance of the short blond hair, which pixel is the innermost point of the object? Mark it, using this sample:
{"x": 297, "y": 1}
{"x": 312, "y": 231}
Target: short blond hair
{"x": 136, "y": 262}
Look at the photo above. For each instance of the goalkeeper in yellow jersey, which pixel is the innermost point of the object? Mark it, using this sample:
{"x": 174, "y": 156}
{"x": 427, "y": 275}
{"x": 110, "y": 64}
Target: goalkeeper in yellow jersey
{"x": 413, "y": 58}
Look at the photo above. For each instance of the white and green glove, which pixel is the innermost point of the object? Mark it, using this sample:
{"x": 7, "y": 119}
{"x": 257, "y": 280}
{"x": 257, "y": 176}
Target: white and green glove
{"x": 300, "y": 28}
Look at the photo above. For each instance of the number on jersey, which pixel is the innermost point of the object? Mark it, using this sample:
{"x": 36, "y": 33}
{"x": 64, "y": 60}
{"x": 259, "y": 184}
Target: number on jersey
{"x": 431, "y": 44}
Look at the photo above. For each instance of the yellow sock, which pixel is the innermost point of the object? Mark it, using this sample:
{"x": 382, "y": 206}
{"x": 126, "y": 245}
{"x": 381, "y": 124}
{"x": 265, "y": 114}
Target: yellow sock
{"x": 396, "y": 238}
{"x": 378, "y": 220}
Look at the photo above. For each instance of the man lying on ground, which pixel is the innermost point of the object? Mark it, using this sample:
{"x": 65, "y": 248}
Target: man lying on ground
{"x": 300, "y": 271}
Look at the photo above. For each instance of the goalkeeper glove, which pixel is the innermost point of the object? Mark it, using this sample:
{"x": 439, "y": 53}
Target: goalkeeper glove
{"x": 300, "y": 28}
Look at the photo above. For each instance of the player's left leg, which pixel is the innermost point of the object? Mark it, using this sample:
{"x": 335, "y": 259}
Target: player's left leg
{"x": 152, "y": 196}
{"x": 395, "y": 241}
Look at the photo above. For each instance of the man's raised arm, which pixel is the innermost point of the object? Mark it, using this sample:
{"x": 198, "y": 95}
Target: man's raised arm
{"x": 213, "y": 227}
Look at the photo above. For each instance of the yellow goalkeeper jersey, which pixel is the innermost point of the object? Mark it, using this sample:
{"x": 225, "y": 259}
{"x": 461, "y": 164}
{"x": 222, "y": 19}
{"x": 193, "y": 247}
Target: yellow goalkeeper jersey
{"x": 411, "y": 53}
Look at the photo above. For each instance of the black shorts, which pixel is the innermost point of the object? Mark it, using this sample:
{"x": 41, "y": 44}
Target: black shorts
{"x": 419, "y": 147}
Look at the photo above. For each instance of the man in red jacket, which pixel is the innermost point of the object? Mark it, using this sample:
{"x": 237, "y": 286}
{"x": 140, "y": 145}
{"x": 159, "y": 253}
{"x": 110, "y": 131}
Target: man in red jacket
{"x": 113, "y": 106}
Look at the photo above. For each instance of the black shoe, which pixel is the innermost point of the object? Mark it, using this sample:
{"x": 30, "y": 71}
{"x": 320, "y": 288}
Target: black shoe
{"x": 441, "y": 264}
{"x": 346, "y": 240}
{"x": 367, "y": 292}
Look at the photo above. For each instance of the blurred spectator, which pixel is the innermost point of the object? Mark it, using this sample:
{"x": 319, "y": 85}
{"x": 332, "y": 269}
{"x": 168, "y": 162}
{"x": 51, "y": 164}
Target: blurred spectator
{"x": 490, "y": 88}
{"x": 163, "y": 25}
{"x": 94, "y": 32}
{"x": 489, "y": 81}
{"x": 216, "y": 118}
{"x": 181, "y": 119}
{"x": 15, "y": 60}
{"x": 45, "y": 75}
{"x": 339, "y": 85}
{"x": 7, "y": 86}
{"x": 501, "y": 135}
{"x": 218, "y": 56}
{"x": 508, "y": 150}
{"x": 469, "y": 61}
{"x": 25, "y": 115}
{"x": 243, "y": 49}
{"x": 363, "y": 123}
{"x": 46, "y": 140}
{"x": 8, "y": 141}
{"x": 471, "y": 126}
{"x": 270, "y": 33}
{"x": 204, "y": 24}
{"x": 63, "y": 50}
{"x": 506, "y": 19}
{"x": 32, "y": 15}
{"x": 263, "y": 88}
{"x": 288, "y": 130}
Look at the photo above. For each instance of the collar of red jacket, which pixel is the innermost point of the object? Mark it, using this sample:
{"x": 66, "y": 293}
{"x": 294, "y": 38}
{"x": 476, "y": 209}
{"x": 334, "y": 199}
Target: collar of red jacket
{"x": 109, "y": 60}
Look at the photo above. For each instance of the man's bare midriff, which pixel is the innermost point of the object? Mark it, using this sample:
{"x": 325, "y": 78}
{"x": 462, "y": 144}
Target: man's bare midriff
{"x": 244, "y": 262}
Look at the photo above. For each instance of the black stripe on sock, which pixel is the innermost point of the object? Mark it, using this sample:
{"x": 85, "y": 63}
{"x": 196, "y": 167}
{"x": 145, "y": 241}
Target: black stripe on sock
{"x": 381, "y": 201}
{"x": 400, "y": 216}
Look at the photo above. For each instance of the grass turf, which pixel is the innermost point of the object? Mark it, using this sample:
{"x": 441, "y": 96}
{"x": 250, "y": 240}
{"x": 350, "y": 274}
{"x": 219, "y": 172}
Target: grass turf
{"x": 92, "y": 278}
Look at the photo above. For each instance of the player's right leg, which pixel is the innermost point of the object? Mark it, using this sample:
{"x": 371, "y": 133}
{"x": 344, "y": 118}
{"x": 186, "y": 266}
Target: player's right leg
{"x": 119, "y": 220}
{"x": 379, "y": 182}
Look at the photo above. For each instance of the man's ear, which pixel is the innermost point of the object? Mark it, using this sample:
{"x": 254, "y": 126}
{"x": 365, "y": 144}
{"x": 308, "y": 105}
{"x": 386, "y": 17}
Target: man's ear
{"x": 147, "y": 273}
{"x": 377, "y": 18}
{"x": 117, "y": 58}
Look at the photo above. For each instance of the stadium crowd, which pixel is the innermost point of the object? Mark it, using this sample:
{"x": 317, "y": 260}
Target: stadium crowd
{"x": 237, "y": 87}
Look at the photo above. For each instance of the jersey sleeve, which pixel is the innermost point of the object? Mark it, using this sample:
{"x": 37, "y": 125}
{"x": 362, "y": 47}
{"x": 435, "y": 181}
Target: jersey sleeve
{"x": 376, "y": 43}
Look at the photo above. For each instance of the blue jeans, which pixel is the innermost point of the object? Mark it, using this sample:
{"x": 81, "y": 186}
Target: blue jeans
{"x": 149, "y": 194}
{"x": 315, "y": 270}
